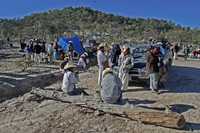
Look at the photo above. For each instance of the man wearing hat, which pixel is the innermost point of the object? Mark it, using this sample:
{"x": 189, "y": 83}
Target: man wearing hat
{"x": 69, "y": 80}
{"x": 101, "y": 59}
{"x": 111, "y": 87}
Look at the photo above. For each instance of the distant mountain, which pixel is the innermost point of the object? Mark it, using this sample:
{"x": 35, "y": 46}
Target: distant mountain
{"x": 91, "y": 23}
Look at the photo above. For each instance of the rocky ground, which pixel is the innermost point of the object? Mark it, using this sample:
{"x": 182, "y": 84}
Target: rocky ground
{"x": 24, "y": 115}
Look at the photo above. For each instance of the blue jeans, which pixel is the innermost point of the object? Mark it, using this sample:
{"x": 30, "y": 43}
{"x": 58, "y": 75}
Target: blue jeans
{"x": 153, "y": 81}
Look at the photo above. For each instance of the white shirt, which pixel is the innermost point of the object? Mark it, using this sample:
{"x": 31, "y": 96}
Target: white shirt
{"x": 82, "y": 63}
{"x": 121, "y": 59}
{"x": 101, "y": 59}
{"x": 69, "y": 81}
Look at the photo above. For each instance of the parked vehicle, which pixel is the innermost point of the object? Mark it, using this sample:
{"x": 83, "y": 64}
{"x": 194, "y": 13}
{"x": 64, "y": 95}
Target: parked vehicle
{"x": 138, "y": 71}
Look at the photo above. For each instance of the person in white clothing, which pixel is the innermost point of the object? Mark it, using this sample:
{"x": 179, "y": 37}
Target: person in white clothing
{"x": 120, "y": 60}
{"x": 101, "y": 59}
{"x": 70, "y": 80}
{"x": 124, "y": 68}
{"x": 82, "y": 62}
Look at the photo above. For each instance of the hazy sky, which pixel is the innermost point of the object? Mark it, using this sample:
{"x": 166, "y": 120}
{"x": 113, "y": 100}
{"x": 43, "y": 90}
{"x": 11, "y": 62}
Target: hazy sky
{"x": 184, "y": 12}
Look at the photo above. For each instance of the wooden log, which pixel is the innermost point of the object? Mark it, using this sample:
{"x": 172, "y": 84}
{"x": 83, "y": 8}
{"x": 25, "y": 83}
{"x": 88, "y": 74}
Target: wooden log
{"x": 169, "y": 120}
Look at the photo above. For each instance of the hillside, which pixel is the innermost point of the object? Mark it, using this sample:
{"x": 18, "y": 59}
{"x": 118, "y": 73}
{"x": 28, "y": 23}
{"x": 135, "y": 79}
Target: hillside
{"x": 87, "y": 23}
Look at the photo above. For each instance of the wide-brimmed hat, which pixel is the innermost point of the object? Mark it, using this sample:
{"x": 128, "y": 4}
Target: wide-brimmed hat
{"x": 101, "y": 46}
{"x": 85, "y": 53}
{"x": 107, "y": 71}
{"x": 66, "y": 58}
{"x": 69, "y": 65}
{"x": 83, "y": 56}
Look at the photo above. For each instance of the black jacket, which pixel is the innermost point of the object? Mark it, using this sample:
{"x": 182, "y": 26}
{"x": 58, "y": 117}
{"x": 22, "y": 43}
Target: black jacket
{"x": 37, "y": 49}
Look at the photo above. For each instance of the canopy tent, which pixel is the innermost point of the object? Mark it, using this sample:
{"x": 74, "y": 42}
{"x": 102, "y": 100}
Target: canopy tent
{"x": 64, "y": 44}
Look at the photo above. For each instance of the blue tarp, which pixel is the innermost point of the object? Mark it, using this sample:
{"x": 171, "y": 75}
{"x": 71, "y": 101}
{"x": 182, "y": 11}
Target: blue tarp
{"x": 64, "y": 43}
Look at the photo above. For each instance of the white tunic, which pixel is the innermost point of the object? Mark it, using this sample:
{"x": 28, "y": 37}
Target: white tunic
{"x": 101, "y": 59}
{"x": 69, "y": 81}
{"x": 82, "y": 63}
{"x": 124, "y": 72}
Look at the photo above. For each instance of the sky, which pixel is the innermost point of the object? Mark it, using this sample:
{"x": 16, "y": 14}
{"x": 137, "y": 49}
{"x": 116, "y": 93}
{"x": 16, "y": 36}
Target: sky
{"x": 184, "y": 12}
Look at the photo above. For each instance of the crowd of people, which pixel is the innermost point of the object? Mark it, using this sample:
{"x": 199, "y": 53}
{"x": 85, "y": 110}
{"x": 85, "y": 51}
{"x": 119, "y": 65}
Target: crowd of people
{"x": 39, "y": 51}
{"x": 114, "y": 65}
{"x": 113, "y": 71}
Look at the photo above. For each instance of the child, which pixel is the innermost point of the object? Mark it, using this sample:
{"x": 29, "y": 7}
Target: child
{"x": 70, "y": 80}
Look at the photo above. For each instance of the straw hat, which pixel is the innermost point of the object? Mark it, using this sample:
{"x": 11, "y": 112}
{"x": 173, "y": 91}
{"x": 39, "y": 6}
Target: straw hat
{"x": 106, "y": 71}
{"x": 83, "y": 56}
{"x": 66, "y": 58}
{"x": 69, "y": 65}
{"x": 85, "y": 53}
{"x": 101, "y": 46}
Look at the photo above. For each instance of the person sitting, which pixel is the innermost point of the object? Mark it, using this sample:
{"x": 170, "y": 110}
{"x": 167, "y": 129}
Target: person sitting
{"x": 82, "y": 62}
{"x": 87, "y": 60}
{"x": 111, "y": 87}
{"x": 70, "y": 80}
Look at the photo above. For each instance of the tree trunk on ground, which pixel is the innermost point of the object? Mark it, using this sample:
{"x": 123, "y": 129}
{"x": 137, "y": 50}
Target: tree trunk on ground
{"x": 170, "y": 120}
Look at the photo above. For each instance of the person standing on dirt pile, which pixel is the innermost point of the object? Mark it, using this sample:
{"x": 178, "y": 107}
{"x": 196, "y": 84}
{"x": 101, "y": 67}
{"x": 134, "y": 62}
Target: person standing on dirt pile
{"x": 37, "y": 51}
{"x": 125, "y": 68}
{"x": 101, "y": 59}
{"x": 43, "y": 50}
{"x": 153, "y": 68}
{"x": 70, "y": 80}
{"x": 111, "y": 87}
{"x": 114, "y": 55}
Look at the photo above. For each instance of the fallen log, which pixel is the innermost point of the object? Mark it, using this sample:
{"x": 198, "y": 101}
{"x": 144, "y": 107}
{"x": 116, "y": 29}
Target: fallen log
{"x": 169, "y": 120}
